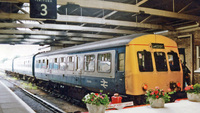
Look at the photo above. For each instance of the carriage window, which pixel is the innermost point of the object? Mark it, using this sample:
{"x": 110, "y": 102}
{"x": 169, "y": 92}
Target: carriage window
{"x": 145, "y": 61}
{"x": 55, "y": 60}
{"x": 56, "y": 66}
{"x": 47, "y": 63}
{"x": 89, "y": 62}
{"x": 160, "y": 59}
{"x": 62, "y": 59}
{"x": 43, "y": 64}
{"x": 70, "y": 63}
{"x": 39, "y": 64}
{"x": 121, "y": 62}
{"x": 104, "y": 62}
{"x": 173, "y": 61}
{"x": 62, "y": 63}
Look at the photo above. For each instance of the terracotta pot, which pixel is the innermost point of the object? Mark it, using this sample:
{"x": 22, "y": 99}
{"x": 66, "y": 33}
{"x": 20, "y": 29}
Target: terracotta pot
{"x": 96, "y": 109}
{"x": 157, "y": 103}
{"x": 193, "y": 97}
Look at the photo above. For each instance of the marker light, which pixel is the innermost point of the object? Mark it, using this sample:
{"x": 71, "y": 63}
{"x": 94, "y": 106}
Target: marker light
{"x": 145, "y": 87}
{"x": 178, "y": 84}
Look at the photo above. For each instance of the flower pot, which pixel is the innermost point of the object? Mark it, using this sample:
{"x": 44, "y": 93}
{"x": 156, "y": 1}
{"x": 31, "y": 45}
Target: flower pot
{"x": 157, "y": 103}
{"x": 193, "y": 97}
{"x": 96, "y": 109}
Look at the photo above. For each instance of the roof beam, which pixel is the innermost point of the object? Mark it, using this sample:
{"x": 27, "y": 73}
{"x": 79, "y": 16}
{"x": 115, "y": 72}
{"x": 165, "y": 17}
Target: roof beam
{"x": 53, "y": 33}
{"x": 141, "y": 2}
{"x": 116, "y": 6}
{"x": 185, "y": 7}
{"x": 70, "y": 42}
{"x": 82, "y": 19}
{"x": 11, "y": 36}
{"x": 65, "y": 27}
{"x": 128, "y": 8}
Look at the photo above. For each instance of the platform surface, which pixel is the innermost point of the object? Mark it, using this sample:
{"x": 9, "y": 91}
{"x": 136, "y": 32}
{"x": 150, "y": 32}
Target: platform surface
{"x": 182, "y": 106}
{"x": 11, "y": 103}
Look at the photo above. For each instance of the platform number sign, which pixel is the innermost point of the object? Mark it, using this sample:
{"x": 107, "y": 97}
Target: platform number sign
{"x": 43, "y": 9}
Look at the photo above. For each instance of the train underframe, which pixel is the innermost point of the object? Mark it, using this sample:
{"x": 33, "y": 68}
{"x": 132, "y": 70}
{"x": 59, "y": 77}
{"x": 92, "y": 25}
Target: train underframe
{"x": 74, "y": 94}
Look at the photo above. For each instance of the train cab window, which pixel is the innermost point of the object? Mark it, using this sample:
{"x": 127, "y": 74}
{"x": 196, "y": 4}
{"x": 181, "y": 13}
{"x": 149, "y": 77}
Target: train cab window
{"x": 174, "y": 63}
{"x": 70, "y": 63}
{"x": 89, "y": 62}
{"x": 121, "y": 61}
{"x": 62, "y": 63}
{"x": 104, "y": 62}
{"x": 160, "y": 59}
{"x": 145, "y": 61}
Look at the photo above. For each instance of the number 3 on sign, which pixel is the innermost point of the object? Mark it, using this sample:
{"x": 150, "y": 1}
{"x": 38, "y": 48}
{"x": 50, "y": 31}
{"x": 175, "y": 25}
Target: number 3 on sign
{"x": 44, "y": 10}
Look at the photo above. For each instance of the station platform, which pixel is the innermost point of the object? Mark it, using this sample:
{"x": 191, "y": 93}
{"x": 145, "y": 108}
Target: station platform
{"x": 180, "y": 106}
{"x": 11, "y": 103}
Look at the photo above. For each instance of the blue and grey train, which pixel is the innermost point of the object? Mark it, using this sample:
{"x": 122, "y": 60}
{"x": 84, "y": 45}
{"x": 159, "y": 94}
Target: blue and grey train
{"x": 128, "y": 65}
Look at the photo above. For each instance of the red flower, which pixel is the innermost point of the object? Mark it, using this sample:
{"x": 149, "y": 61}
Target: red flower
{"x": 101, "y": 97}
{"x": 96, "y": 94}
{"x": 169, "y": 90}
{"x": 156, "y": 92}
{"x": 152, "y": 93}
{"x": 91, "y": 99}
{"x": 188, "y": 88}
{"x": 157, "y": 96}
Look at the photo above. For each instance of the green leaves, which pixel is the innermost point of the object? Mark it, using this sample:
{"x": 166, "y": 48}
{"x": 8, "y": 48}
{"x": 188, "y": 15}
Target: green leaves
{"x": 96, "y": 99}
{"x": 193, "y": 88}
{"x": 158, "y": 93}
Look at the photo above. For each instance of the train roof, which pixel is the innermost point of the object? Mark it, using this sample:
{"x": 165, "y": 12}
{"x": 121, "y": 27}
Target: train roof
{"x": 114, "y": 42}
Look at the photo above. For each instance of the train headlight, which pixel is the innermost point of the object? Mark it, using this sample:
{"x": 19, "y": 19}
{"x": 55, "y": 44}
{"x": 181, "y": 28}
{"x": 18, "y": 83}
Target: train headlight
{"x": 144, "y": 87}
{"x": 172, "y": 86}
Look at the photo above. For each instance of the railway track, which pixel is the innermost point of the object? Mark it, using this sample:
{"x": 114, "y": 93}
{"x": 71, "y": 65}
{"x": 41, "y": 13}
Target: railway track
{"x": 43, "y": 102}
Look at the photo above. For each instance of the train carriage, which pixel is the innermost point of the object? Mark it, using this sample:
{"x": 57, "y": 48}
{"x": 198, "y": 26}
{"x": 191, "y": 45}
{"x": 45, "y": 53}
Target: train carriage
{"x": 23, "y": 66}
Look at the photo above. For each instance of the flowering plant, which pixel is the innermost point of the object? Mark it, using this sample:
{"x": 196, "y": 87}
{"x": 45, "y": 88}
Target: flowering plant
{"x": 193, "y": 88}
{"x": 96, "y": 99}
{"x": 158, "y": 93}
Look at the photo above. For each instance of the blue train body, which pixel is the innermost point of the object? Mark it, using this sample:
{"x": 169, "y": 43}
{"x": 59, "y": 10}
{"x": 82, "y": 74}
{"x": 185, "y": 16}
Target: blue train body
{"x": 113, "y": 82}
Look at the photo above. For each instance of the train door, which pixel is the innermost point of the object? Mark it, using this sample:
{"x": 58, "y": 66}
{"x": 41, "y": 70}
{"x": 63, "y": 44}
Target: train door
{"x": 78, "y": 69}
{"x": 47, "y": 70}
{"x": 120, "y": 73}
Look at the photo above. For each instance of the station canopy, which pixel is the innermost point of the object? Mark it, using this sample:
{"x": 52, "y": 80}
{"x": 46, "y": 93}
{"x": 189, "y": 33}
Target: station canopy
{"x": 82, "y": 21}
